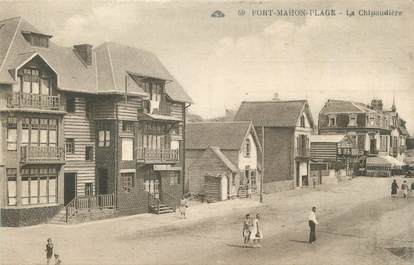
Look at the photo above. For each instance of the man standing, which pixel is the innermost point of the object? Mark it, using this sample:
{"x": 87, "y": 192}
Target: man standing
{"x": 312, "y": 225}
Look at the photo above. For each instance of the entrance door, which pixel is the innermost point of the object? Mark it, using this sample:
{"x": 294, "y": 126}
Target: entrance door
{"x": 102, "y": 181}
{"x": 373, "y": 146}
{"x": 153, "y": 184}
{"x": 297, "y": 173}
{"x": 70, "y": 187}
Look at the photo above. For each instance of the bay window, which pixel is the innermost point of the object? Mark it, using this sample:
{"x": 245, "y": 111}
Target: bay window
{"x": 154, "y": 136}
{"x": 39, "y": 185}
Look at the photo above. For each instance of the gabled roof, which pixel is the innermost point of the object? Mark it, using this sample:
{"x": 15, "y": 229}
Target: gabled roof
{"x": 111, "y": 63}
{"x": 225, "y": 135}
{"x": 216, "y": 150}
{"x": 273, "y": 113}
{"x": 333, "y": 106}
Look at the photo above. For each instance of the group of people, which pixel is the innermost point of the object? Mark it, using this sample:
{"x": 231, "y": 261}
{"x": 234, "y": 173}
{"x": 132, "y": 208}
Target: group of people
{"x": 49, "y": 253}
{"x": 405, "y": 189}
{"x": 252, "y": 231}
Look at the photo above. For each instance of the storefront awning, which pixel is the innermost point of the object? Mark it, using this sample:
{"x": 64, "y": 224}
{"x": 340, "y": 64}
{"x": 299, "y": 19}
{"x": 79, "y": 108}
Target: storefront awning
{"x": 384, "y": 160}
{"x": 159, "y": 117}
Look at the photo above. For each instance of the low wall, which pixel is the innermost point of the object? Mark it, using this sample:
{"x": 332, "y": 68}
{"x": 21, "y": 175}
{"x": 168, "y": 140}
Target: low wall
{"x": 277, "y": 186}
{"x": 28, "y": 216}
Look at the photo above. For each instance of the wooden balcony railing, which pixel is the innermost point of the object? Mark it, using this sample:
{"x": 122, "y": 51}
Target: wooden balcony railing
{"x": 302, "y": 152}
{"x": 89, "y": 203}
{"x": 42, "y": 154}
{"x": 157, "y": 155}
{"x": 35, "y": 101}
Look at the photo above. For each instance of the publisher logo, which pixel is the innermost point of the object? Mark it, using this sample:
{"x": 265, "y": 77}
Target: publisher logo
{"x": 217, "y": 13}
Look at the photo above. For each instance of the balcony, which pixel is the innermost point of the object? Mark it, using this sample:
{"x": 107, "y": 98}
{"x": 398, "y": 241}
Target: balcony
{"x": 148, "y": 155}
{"x": 33, "y": 101}
{"x": 42, "y": 155}
{"x": 302, "y": 153}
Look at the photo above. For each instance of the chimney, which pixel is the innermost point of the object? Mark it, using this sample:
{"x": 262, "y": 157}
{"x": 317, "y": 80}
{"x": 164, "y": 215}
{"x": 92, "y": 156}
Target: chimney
{"x": 376, "y": 104}
{"x": 84, "y": 51}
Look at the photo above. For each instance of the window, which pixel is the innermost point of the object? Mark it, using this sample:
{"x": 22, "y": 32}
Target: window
{"x": 39, "y": 40}
{"x": 30, "y": 82}
{"x": 371, "y": 120}
{"x": 253, "y": 180}
{"x": 70, "y": 146}
{"x": 11, "y": 134}
{"x": 127, "y": 181}
{"x": 154, "y": 136}
{"x": 37, "y": 132}
{"x": 88, "y": 109}
{"x": 88, "y": 189}
{"x": 127, "y": 149}
{"x": 70, "y": 104}
{"x": 11, "y": 185}
{"x": 332, "y": 121}
{"x": 39, "y": 185}
{"x": 302, "y": 121}
{"x": 154, "y": 89}
{"x": 352, "y": 120}
{"x": 89, "y": 153}
{"x": 174, "y": 177}
{"x": 127, "y": 126}
{"x": 104, "y": 134}
{"x": 247, "y": 172}
{"x": 247, "y": 147}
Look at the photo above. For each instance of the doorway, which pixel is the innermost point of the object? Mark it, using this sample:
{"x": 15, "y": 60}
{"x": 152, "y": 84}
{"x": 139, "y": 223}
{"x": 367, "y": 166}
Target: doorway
{"x": 69, "y": 187}
{"x": 152, "y": 184}
{"x": 102, "y": 181}
{"x": 297, "y": 174}
{"x": 373, "y": 146}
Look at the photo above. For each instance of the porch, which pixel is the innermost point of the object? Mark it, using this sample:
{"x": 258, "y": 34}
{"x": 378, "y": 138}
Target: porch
{"x": 88, "y": 206}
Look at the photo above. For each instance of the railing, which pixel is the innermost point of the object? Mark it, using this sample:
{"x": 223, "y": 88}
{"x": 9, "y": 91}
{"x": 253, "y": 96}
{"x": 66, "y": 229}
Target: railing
{"x": 102, "y": 201}
{"x": 169, "y": 198}
{"x": 27, "y": 100}
{"x": 302, "y": 152}
{"x": 154, "y": 203}
{"x": 161, "y": 155}
{"x": 42, "y": 154}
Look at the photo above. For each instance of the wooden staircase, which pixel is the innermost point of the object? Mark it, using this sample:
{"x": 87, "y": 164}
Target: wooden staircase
{"x": 242, "y": 193}
{"x": 157, "y": 206}
{"x": 60, "y": 218}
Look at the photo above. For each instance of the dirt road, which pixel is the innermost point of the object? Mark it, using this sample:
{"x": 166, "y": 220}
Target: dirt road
{"x": 359, "y": 224}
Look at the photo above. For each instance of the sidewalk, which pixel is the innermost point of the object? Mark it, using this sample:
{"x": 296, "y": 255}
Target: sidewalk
{"x": 196, "y": 212}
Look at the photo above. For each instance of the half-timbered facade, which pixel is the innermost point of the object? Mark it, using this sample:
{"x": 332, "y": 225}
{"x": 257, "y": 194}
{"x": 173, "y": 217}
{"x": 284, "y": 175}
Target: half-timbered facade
{"x": 85, "y": 128}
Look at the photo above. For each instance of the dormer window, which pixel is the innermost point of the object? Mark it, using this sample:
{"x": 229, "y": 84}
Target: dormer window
{"x": 352, "y": 120}
{"x": 35, "y": 82}
{"x": 37, "y": 39}
{"x": 154, "y": 89}
{"x": 332, "y": 121}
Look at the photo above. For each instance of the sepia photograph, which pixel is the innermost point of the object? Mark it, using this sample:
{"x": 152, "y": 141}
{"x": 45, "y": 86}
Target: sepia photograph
{"x": 206, "y": 132}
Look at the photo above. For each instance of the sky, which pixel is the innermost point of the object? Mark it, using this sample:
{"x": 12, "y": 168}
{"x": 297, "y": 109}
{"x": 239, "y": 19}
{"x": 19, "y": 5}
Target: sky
{"x": 223, "y": 61}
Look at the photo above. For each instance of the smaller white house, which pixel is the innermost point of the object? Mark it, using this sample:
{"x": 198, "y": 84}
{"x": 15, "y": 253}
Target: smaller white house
{"x": 221, "y": 158}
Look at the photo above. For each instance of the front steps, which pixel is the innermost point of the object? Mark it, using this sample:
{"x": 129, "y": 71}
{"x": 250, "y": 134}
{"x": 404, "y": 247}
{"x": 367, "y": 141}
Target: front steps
{"x": 83, "y": 216}
{"x": 164, "y": 209}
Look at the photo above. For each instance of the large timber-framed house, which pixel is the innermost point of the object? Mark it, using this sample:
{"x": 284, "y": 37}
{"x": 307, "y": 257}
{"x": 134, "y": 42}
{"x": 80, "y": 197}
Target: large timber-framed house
{"x": 85, "y": 128}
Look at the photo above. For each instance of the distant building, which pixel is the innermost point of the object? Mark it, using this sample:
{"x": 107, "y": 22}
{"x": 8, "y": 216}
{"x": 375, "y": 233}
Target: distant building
{"x": 286, "y": 127}
{"x": 374, "y": 131}
{"x": 225, "y": 151}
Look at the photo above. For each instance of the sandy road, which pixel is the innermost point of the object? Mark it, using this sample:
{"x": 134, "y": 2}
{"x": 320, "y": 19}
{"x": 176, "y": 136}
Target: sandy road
{"x": 359, "y": 224}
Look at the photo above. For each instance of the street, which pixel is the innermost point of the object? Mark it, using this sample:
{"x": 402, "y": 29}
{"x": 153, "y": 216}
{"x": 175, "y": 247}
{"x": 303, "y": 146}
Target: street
{"x": 359, "y": 224}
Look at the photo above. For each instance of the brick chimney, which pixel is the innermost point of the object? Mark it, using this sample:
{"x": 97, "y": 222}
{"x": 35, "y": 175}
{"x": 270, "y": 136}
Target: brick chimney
{"x": 376, "y": 104}
{"x": 84, "y": 51}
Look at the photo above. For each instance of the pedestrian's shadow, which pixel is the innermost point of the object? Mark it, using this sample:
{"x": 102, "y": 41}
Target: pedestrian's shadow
{"x": 239, "y": 246}
{"x": 299, "y": 241}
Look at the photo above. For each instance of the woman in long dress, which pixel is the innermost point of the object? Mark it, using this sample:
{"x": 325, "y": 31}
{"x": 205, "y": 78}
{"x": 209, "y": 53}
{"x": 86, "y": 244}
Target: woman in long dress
{"x": 183, "y": 207}
{"x": 256, "y": 233}
{"x": 394, "y": 188}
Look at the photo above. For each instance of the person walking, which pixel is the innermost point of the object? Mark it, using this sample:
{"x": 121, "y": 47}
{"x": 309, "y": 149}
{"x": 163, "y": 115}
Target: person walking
{"x": 394, "y": 188}
{"x": 404, "y": 189}
{"x": 256, "y": 233}
{"x": 49, "y": 250}
{"x": 312, "y": 225}
{"x": 246, "y": 229}
{"x": 183, "y": 207}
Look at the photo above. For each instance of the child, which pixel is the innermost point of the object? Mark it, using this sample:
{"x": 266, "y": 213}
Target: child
{"x": 49, "y": 250}
{"x": 57, "y": 260}
{"x": 246, "y": 229}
